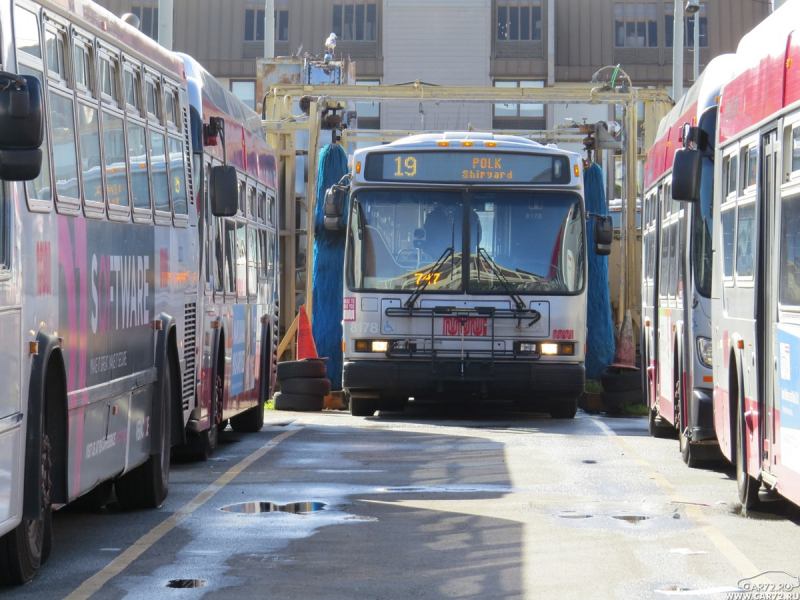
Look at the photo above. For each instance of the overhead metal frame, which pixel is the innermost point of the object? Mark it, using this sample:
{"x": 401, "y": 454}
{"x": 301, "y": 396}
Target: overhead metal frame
{"x": 281, "y": 126}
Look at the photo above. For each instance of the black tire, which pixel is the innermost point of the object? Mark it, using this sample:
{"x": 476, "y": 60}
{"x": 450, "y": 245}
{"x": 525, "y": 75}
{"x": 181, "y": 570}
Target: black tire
{"x": 298, "y": 402}
{"x": 618, "y": 380}
{"x": 362, "y": 407}
{"x": 95, "y": 499}
{"x": 310, "y": 367}
{"x": 656, "y": 426}
{"x": 683, "y": 440}
{"x": 747, "y": 486}
{"x": 147, "y": 485}
{"x": 615, "y": 399}
{"x": 27, "y": 547}
{"x": 564, "y": 409}
{"x": 250, "y": 421}
{"x": 312, "y": 386}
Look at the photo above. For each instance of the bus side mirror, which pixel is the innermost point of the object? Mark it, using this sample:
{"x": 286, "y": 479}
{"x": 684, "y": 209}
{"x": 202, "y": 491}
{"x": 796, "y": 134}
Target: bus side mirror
{"x": 224, "y": 191}
{"x": 21, "y": 130}
{"x": 687, "y": 168}
{"x": 603, "y": 235}
{"x": 335, "y": 199}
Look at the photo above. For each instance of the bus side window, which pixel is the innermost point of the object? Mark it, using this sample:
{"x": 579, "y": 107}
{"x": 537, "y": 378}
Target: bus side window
{"x": 219, "y": 255}
{"x": 109, "y": 65}
{"x": 158, "y": 165}
{"x": 230, "y": 255}
{"x": 728, "y": 232}
{"x": 789, "y": 277}
{"x": 177, "y": 177}
{"x": 140, "y": 180}
{"x": 745, "y": 240}
{"x": 253, "y": 258}
{"x": 29, "y": 57}
{"x": 82, "y": 59}
{"x": 115, "y": 162}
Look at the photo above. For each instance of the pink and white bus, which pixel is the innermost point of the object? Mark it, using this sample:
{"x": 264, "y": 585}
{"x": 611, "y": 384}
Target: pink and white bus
{"x": 755, "y": 299}
{"x": 117, "y": 211}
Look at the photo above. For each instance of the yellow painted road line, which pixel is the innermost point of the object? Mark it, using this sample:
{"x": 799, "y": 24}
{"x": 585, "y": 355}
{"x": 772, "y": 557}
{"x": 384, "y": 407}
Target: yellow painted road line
{"x": 123, "y": 561}
{"x": 735, "y": 556}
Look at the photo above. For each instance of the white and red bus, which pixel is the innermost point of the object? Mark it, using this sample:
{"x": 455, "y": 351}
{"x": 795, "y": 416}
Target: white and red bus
{"x": 237, "y": 320}
{"x": 676, "y": 279}
{"x": 755, "y": 303}
{"x": 108, "y": 333}
{"x": 465, "y": 273}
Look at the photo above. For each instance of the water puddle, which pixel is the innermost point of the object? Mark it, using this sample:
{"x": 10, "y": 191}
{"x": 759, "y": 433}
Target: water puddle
{"x": 254, "y": 508}
{"x": 631, "y": 518}
{"x": 186, "y": 583}
{"x": 572, "y": 514}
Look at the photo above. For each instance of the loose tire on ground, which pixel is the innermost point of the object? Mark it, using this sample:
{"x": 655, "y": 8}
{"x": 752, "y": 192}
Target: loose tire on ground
{"x": 147, "y": 485}
{"x": 619, "y": 380}
{"x": 314, "y": 386}
{"x": 298, "y": 402}
{"x": 616, "y": 399}
{"x": 310, "y": 367}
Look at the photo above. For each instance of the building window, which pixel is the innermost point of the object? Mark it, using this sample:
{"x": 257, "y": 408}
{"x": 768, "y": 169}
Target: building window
{"x": 282, "y": 21}
{"x": 245, "y": 91}
{"x": 519, "y": 20}
{"x": 519, "y": 111}
{"x": 148, "y": 20}
{"x": 688, "y": 26}
{"x": 254, "y": 23}
{"x": 635, "y": 25}
{"x": 356, "y": 21}
{"x": 369, "y": 113}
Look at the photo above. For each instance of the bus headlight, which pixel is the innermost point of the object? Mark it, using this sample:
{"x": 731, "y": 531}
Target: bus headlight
{"x": 704, "y": 349}
{"x": 380, "y": 346}
{"x": 526, "y": 348}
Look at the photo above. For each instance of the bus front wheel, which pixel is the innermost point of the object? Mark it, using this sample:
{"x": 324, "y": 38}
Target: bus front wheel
{"x": 748, "y": 486}
{"x": 564, "y": 409}
{"x": 26, "y": 547}
{"x": 362, "y": 407}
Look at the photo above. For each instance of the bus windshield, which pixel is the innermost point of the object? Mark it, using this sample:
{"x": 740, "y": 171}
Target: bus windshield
{"x": 522, "y": 242}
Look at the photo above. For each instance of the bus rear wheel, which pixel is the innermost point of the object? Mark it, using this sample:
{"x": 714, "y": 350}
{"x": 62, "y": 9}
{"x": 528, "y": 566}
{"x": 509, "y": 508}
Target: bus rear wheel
{"x": 147, "y": 485}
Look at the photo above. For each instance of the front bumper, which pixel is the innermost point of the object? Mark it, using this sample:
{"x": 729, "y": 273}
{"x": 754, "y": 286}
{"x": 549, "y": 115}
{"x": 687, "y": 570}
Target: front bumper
{"x": 498, "y": 380}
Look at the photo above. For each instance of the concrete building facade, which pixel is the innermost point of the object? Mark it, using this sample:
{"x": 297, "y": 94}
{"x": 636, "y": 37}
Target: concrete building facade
{"x": 455, "y": 42}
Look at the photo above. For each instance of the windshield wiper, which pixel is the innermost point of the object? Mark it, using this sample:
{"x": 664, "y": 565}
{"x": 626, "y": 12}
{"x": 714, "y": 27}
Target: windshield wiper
{"x": 505, "y": 283}
{"x": 425, "y": 279}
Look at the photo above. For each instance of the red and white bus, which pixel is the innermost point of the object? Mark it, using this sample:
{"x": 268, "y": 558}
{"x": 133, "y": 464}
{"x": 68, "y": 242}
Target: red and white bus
{"x": 465, "y": 272}
{"x": 104, "y": 249}
{"x": 238, "y": 318}
{"x": 755, "y": 302}
{"x": 676, "y": 279}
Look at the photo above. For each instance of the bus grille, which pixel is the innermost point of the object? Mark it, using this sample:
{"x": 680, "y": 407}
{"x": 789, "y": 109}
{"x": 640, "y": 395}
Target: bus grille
{"x": 189, "y": 353}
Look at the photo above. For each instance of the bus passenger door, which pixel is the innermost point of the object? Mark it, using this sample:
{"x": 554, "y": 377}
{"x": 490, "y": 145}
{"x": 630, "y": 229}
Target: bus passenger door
{"x": 766, "y": 299}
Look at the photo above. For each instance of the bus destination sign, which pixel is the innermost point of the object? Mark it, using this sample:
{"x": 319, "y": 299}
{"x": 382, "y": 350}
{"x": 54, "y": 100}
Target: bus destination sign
{"x": 467, "y": 166}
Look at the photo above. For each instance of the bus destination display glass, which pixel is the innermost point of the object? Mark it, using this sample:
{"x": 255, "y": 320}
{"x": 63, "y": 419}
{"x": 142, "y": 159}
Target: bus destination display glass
{"x": 467, "y": 166}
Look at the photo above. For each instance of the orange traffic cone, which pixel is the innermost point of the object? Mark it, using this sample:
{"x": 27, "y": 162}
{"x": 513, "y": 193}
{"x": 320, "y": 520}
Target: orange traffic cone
{"x": 305, "y": 340}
